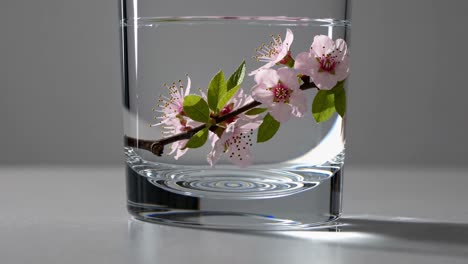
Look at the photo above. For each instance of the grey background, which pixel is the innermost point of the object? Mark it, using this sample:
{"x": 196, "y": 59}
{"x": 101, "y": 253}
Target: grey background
{"x": 60, "y": 76}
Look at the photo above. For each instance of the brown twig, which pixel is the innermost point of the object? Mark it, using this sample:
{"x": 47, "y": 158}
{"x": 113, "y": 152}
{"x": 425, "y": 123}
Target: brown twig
{"x": 157, "y": 146}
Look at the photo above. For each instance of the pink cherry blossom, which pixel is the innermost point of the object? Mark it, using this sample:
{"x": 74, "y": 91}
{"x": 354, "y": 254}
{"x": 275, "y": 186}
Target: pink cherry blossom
{"x": 172, "y": 105}
{"x": 175, "y": 126}
{"x": 235, "y": 141}
{"x": 173, "y": 120}
{"x": 326, "y": 63}
{"x": 279, "y": 91}
{"x": 275, "y": 52}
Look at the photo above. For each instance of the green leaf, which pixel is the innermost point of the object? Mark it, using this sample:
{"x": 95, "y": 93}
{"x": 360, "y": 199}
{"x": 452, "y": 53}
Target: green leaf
{"x": 255, "y": 111}
{"x": 237, "y": 77}
{"x": 216, "y": 90}
{"x": 340, "y": 98}
{"x": 228, "y": 95}
{"x": 267, "y": 129}
{"x": 198, "y": 139}
{"x": 323, "y": 105}
{"x": 196, "y": 108}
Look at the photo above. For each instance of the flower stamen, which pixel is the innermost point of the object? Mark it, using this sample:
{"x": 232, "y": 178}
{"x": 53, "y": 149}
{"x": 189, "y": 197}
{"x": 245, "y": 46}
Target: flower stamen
{"x": 281, "y": 93}
{"x": 267, "y": 52}
{"x": 328, "y": 63}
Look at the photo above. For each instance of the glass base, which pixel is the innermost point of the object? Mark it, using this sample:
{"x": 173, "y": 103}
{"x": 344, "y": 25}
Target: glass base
{"x": 256, "y": 201}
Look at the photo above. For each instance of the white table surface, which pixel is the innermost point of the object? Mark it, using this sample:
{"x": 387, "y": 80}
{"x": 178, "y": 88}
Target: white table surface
{"x": 78, "y": 215}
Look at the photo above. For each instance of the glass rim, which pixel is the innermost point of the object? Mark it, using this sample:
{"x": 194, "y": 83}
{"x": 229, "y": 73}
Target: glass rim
{"x": 267, "y": 20}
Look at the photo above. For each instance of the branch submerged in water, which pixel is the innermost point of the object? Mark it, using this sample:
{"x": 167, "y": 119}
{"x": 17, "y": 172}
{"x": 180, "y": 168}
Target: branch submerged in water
{"x": 157, "y": 146}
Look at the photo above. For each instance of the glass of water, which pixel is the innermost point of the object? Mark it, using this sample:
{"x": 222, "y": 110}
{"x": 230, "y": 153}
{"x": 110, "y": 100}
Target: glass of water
{"x": 235, "y": 122}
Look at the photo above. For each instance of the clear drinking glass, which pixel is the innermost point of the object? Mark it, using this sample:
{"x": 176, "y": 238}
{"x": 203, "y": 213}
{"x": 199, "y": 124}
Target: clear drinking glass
{"x": 248, "y": 148}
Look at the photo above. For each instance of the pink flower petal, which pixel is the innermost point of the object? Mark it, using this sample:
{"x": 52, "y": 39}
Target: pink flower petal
{"x": 248, "y": 99}
{"x": 217, "y": 150}
{"x": 180, "y": 151}
{"x": 288, "y": 39}
{"x": 305, "y": 62}
{"x": 324, "y": 80}
{"x": 215, "y": 154}
{"x": 219, "y": 144}
{"x": 341, "y": 46}
{"x": 322, "y": 45}
{"x": 261, "y": 94}
{"x": 239, "y": 153}
{"x": 176, "y": 148}
{"x": 280, "y": 111}
{"x": 237, "y": 99}
{"x": 289, "y": 78}
{"x": 251, "y": 123}
{"x": 213, "y": 138}
{"x": 299, "y": 101}
{"x": 268, "y": 77}
{"x": 187, "y": 89}
{"x": 342, "y": 69}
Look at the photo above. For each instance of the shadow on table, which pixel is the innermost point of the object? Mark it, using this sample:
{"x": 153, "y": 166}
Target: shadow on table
{"x": 410, "y": 236}
{"x": 397, "y": 234}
